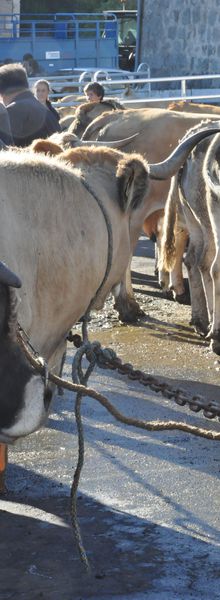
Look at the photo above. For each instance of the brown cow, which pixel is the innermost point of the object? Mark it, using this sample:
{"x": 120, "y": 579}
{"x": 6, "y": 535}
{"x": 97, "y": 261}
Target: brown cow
{"x": 87, "y": 112}
{"x": 50, "y": 215}
{"x": 183, "y": 105}
{"x": 159, "y": 132}
{"x": 193, "y": 205}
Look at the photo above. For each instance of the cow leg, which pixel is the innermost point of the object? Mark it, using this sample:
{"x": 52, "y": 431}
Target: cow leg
{"x": 215, "y": 329}
{"x": 172, "y": 237}
{"x": 205, "y": 267}
{"x": 164, "y": 282}
{"x": 200, "y": 319}
{"x": 152, "y": 227}
{"x": 173, "y": 282}
{"x": 3, "y": 465}
{"x": 193, "y": 259}
{"x": 156, "y": 264}
{"x": 128, "y": 308}
{"x": 214, "y": 334}
{"x": 176, "y": 275}
{"x": 160, "y": 272}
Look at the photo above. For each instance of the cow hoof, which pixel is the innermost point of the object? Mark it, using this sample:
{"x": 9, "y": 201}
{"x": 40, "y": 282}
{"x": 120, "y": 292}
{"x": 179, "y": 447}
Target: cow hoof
{"x": 215, "y": 346}
{"x": 129, "y": 313}
{"x": 132, "y": 317}
{"x": 209, "y": 334}
{"x": 199, "y": 327}
{"x": 168, "y": 295}
{"x": 183, "y": 298}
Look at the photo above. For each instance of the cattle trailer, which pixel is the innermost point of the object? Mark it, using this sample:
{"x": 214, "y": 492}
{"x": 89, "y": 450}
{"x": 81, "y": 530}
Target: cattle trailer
{"x": 60, "y": 42}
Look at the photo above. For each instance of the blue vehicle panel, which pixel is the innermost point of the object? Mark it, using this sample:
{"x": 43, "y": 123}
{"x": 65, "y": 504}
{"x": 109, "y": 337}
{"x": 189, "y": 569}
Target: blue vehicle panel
{"x": 60, "y": 41}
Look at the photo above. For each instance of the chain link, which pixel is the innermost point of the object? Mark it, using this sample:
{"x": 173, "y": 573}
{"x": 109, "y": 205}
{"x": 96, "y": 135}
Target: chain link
{"x": 108, "y": 359}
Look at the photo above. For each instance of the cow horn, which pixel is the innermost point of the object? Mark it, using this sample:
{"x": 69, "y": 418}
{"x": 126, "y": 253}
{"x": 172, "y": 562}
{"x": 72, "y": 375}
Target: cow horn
{"x": 111, "y": 144}
{"x": 8, "y": 277}
{"x": 168, "y": 168}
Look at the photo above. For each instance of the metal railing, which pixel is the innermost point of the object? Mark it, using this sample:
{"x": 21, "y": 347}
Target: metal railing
{"x": 141, "y": 87}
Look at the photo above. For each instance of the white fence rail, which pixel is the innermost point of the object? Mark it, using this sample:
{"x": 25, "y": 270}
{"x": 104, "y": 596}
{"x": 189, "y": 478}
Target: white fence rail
{"x": 136, "y": 87}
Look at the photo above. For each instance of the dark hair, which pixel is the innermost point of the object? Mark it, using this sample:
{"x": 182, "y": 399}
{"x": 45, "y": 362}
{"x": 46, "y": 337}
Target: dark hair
{"x": 44, "y": 81}
{"x": 28, "y": 56}
{"x": 95, "y": 87}
{"x": 7, "y": 61}
{"x": 13, "y": 78}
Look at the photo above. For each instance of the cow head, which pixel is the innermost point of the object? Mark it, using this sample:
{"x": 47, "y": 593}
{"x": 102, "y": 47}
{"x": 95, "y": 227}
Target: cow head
{"x": 85, "y": 113}
{"x": 23, "y": 398}
{"x": 131, "y": 171}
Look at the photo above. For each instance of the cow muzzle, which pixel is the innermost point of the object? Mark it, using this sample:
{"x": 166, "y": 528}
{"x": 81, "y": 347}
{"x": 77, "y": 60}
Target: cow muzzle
{"x": 31, "y": 412}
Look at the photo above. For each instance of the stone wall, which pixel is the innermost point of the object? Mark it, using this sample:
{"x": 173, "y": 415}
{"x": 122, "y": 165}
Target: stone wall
{"x": 9, "y": 6}
{"x": 180, "y": 37}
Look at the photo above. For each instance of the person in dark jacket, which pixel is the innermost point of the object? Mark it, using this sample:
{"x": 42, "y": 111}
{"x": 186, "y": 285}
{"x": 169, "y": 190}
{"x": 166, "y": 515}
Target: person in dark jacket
{"x": 41, "y": 90}
{"x": 6, "y": 138}
{"x": 29, "y": 119}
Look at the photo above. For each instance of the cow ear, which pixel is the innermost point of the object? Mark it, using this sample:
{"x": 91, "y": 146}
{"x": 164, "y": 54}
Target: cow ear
{"x": 133, "y": 182}
{"x": 46, "y": 147}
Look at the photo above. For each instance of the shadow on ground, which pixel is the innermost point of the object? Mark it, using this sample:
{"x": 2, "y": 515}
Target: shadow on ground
{"x": 125, "y": 552}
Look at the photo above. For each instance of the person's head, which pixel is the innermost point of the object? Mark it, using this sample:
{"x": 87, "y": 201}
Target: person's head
{"x": 41, "y": 90}
{"x": 13, "y": 81}
{"x": 28, "y": 56}
{"x": 94, "y": 92}
{"x": 28, "y": 63}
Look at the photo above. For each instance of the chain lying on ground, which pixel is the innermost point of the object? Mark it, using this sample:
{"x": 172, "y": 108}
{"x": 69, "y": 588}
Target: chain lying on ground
{"x": 37, "y": 363}
{"x": 108, "y": 359}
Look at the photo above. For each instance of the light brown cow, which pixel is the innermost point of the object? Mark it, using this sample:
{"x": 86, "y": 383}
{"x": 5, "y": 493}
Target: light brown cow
{"x": 211, "y": 174}
{"x": 90, "y": 191}
{"x": 193, "y": 204}
{"x": 183, "y": 105}
{"x": 68, "y": 233}
{"x": 66, "y": 121}
{"x": 83, "y": 113}
{"x": 66, "y": 111}
{"x": 87, "y": 112}
{"x": 159, "y": 132}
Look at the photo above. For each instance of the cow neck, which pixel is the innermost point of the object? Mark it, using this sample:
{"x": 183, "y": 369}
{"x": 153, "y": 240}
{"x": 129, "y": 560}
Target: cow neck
{"x": 22, "y": 333}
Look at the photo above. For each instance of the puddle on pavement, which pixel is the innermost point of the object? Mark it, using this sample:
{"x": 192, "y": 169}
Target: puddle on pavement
{"x": 163, "y": 344}
{"x": 168, "y": 350}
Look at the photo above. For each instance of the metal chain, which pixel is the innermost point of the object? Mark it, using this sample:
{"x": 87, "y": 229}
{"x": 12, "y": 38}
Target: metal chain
{"x": 108, "y": 359}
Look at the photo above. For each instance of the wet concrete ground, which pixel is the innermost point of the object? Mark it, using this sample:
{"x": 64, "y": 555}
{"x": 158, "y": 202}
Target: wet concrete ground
{"x": 148, "y": 503}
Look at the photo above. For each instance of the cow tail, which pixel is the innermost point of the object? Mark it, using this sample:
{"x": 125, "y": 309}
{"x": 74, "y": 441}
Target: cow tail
{"x": 168, "y": 249}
